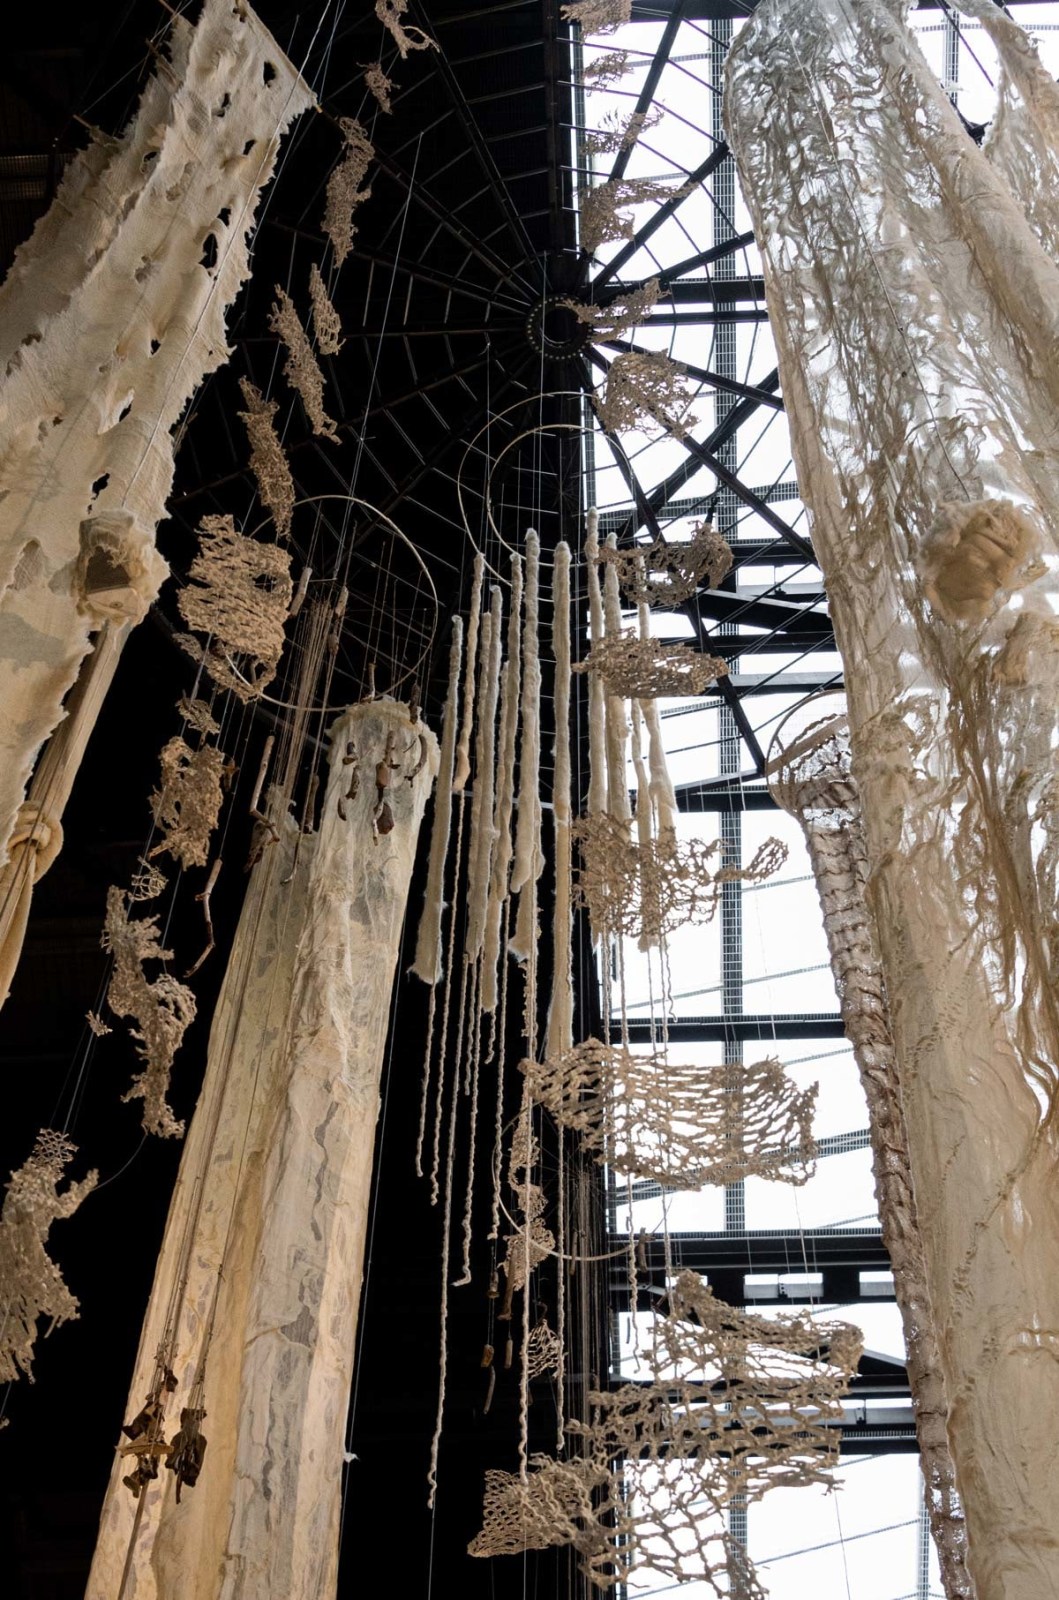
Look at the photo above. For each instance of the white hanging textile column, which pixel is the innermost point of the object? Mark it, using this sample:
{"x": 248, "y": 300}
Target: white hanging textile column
{"x": 109, "y": 319}
{"x": 812, "y": 780}
{"x": 257, "y": 1290}
{"x": 917, "y": 321}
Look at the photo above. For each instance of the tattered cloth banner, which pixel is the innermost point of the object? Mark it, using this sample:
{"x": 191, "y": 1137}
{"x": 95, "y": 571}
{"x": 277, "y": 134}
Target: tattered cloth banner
{"x": 111, "y": 316}
{"x": 916, "y": 319}
{"x": 257, "y": 1289}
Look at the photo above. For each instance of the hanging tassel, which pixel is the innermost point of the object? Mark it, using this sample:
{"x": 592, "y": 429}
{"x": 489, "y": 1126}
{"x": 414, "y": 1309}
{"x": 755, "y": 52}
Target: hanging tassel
{"x": 463, "y": 749}
{"x": 528, "y": 858}
{"x": 560, "y": 1032}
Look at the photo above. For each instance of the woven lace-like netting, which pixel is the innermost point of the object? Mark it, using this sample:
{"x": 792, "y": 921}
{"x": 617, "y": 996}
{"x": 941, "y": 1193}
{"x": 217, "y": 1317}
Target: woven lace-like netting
{"x": 814, "y": 782}
{"x": 642, "y": 391}
{"x": 534, "y": 1241}
{"x": 642, "y": 669}
{"x": 188, "y": 801}
{"x": 162, "y": 1007}
{"x": 683, "y": 1126}
{"x": 268, "y": 461}
{"x": 346, "y": 189}
{"x": 239, "y": 592}
{"x": 665, "y": 574}
{"x": 31, "y": 1285}
{"x": 649, "y": 889}
{"x": 916, "y": 318}
{"x": 758, "y": 1413}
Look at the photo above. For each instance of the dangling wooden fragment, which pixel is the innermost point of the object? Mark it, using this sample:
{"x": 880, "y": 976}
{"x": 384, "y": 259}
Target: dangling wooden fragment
{"x": 301, "y": 369}
{"x": 162, "y": 1008}
{"x": 238, "y": 592}
{"x": 344, "y": 191}
{"x": 268, "y": 461}
{"x": 31, "y": 1285}
{"x": 327, "y": 324}
{"x": 391, "y": 13}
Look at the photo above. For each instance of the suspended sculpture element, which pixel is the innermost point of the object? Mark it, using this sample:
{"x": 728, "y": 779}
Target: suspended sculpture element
{"x": 607, "y": 210}
{"x": 644, "y": 389}
{"x": 606, "y": 69}
{"x": 255, "y": 1300}
{"x": 162, "y": 1008}
{"x": 379, "y": 85}
{"x": 31, "y": 1285}
{"x": 647, "y": 889}
{"x": 391, "y": 14}
{"x": 666, "y": 573}
{"x": 268, "y": 461}
{"x": 812, "y": 779}
{"x": 915, "y": 313}
{"x": 737, "y": 1405}
{"x": 188, "y": 802}
{"x": 597, "y": 16}
{"x": 619, "y": 316}
{"x": 301, "y": 368}
{"x": 642, "y": 669}
{"x": 327, "y": 324}
{"x": 109, "y": 319}
{"x": 619, "y": 131}
{"x": 682, "y": 1126}
{"x": 533, "y": 1240}
{"x": 238, "y": 593}
{"x": 344, "y": 191}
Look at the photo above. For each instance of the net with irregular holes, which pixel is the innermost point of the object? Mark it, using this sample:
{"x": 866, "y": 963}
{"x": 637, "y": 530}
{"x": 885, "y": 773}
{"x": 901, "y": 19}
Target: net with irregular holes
{"x": 666, "y": 573}
{"x": 647, "y": 890}
{"x": 681, "y": 1125}
{"x": 346, "y": 189}
{"x": 645, "y": 390}
{"x": 642, "y": 669}
{"x": 268, "y": 460}
{"x": 188, "y": 800}
{"x": 239, "y": 593}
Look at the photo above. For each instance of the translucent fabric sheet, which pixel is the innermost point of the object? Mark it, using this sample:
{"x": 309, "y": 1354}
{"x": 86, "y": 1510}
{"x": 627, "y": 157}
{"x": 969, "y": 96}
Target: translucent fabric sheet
{"x": 916, "y": 317}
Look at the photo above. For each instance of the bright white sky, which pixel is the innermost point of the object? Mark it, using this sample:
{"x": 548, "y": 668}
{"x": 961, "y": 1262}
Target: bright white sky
{"x": 863, "y": 1542}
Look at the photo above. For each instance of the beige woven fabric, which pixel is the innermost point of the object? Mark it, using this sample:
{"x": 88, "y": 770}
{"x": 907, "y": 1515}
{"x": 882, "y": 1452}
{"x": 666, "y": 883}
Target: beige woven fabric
{"x": 917, "y": 323}
{"x": 109, "y": 320}
{"x": 274, "y": 1185}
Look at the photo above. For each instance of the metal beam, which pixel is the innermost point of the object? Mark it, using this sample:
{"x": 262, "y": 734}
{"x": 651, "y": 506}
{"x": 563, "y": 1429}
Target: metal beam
{"x": 646, "y": 96}
{"x": 758, "y": 1029}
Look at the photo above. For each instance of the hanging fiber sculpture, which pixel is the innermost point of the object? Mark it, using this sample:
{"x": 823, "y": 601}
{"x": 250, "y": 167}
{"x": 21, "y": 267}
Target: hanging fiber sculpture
{"x": 344, "y": 191}
{"x": 644, "y": 389}
{"x": 666, "y": 573}
{"x": 641, "y": 669}
{"x": 301, "y": 368}
{"x": 238, "y": 593}
{"x": 268, "y": 461}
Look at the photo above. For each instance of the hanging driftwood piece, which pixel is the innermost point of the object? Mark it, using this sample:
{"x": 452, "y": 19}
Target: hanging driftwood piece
{"x": 239, "y": 593}
{"x": 650, "y": 888}
{"x": 683, "y": 1126}
{"x": 327, "y": 324}
{"x": 621, "y": 315}
{"x": 391, "y": 14}
{"x": 268, "y": 460}
{"x": 597, "y": 16}
{"x": 301, "y": 368}
{"x": 606, "y": 210}
{"x": 641, "y": 389}
{"x": 642, "y": 669}
{"x": 379, "y": 85}
{"x": 31, "y": 1285}
{"x": 187, "y": 802}
{"x": 161, "y": 1007}
{"x": 665, "y": 573}
{"x": 344, "y": 191}
{"x": 110, "y": 318}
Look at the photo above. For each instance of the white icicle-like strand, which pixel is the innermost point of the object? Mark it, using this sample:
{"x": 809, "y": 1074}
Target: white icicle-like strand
{"x": 484, "y": 778}
{"x": 463, "y": 749}
{"x": 427, "y": 964}
{"x": 597, "y": 744}
{"x": 617, "y": 722}
{"x": 663, "y": 797}
{"x": 560, "y": 1031}
{"x": 505, "y": 794}
{"x": 528, "y": 857}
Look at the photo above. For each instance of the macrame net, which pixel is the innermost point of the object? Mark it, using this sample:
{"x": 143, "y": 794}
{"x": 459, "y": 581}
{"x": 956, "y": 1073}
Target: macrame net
{"x": 620, "y": 130}
{"x": 533, "y": 1241}
{"x": 543, "y": 1351}
{"x": 327, "y": 324}
{"x": 391, "y": 14}
{"x": 268, "y": 460}
{"x": 737, "y": 1405}
{"x": 162, "y": 1008}
{"x": 345, "y": 188}
{"x": 916, "y": 318}
{"x": 380, "y": 86}
{"x": 683, "y": 1126}
{"x": 643, "y": 669}
{"x": 606, "y": 69}
{"x": 188, "y": 801}
{"x": 607, "y": 210}
{"x": 647, "y": 889}
{"x": 239, "y": 593}
{"x": 665, "y": 574}
{"x": 620, "y": 315}
{"x": 812, "y": 779}
{"x": 641, "y": 389}
{"x": 31, "y": 1285}
{"x": 301, "y": 368}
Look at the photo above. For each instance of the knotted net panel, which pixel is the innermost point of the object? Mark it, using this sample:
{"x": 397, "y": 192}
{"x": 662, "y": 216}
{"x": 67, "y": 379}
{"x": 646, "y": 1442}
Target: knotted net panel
{"x": 239, "y": 592}
{"x": 665, "y": 574}
{"x": 648, "y": 890}
{"x": 681, "y": 1125}
{"x": 643, "y": 669}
